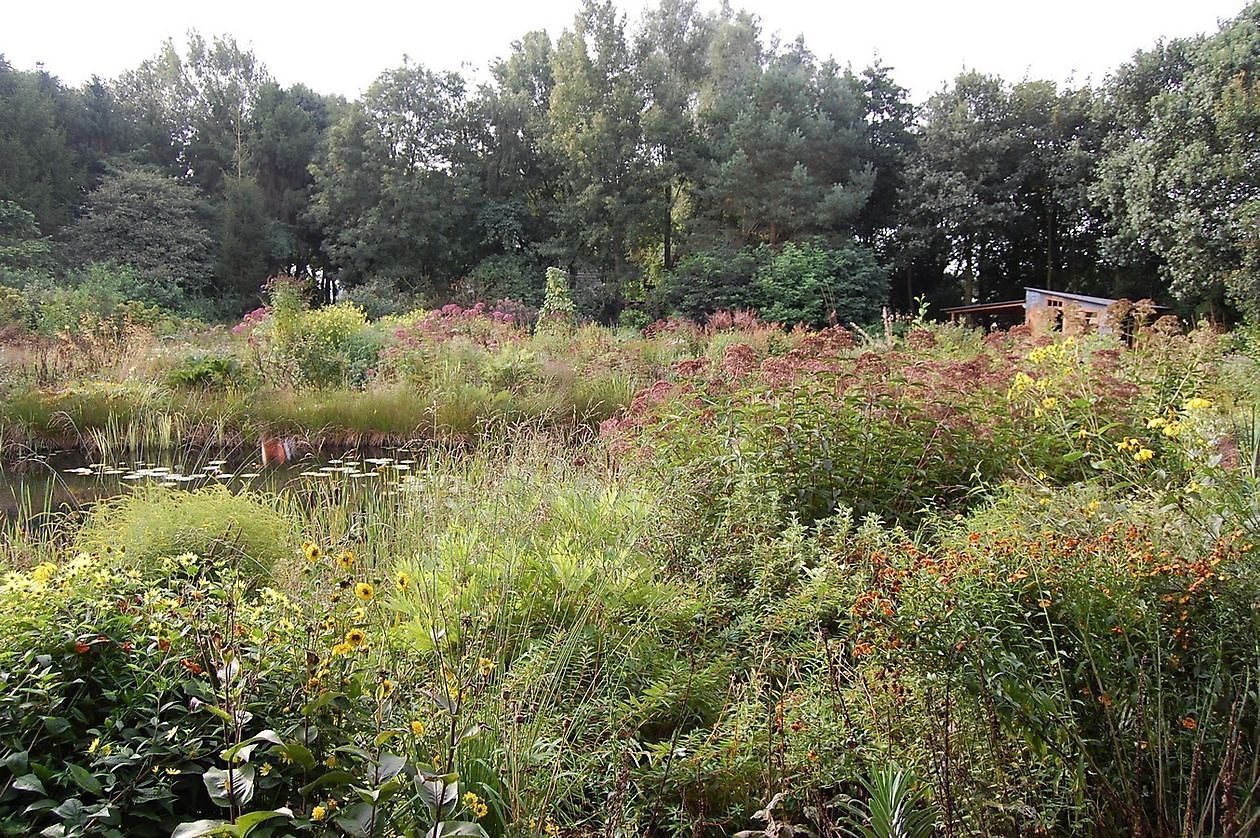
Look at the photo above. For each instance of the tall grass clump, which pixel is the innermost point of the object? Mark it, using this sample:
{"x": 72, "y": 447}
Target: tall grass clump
{"x": 212, "y": 522}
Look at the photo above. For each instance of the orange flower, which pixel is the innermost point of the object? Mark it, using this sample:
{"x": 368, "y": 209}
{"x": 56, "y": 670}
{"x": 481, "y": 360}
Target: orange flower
{"x": 1189, "y": 723}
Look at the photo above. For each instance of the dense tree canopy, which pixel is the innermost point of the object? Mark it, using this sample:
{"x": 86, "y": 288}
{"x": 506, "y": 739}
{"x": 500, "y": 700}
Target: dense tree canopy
{"x": 150, "y": 222}
{"x": 680, "y": 162}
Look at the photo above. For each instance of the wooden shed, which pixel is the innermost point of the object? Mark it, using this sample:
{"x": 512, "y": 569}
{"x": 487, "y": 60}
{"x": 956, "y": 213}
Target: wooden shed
{"x": 1044, "y": 311}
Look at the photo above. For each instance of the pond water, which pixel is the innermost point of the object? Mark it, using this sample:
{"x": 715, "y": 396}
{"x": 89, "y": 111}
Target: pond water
{"x": 69, "y": 481}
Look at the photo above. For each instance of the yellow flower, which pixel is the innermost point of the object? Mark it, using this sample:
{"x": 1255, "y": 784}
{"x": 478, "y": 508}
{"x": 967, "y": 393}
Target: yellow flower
{"x": 264, "y": 769}
{"x": 1197, "y": 403}
{"x": 319, "y": 813}
{"x": 1172, "y": 430}
{"x": 43, "y": 572}
{"x": 355, "y": 638}
{"x": 312, "y": 550}
{"x": 551, "y": 828}
{"x": 404, "y": 580}
{"x": 345, "y": 559}
{"x": 1156, "y": 422}
{"x": 417, "y": 727}
{"x": 1049, "y": 402}
{"x": 470, "y": 799}
{"x": 1144, "y": 454}
{"x": 364, "y": 591}
{"x": 485, "y": 665}
{"x": 480, "y": 810}
{"x": 342, "y": 649}
{"x": 331, "y": 762}
{"x": 387, "y": 686}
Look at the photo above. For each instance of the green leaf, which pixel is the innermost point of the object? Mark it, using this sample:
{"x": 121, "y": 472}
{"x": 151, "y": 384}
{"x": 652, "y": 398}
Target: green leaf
{"x": 40, "y": 806}
{"x": 356, "y": 819}
{"x": 56, "y": 725}
{"x": 242, "y": 785}
{"x": 218, "y": 711}
{"x": 243, "y": 750}
{"x": 446, "y": 828}
{"x": 29, "y": 782}
{"x": 245, "y": 824}
{"x": 16, "y": 762}
{"x": 299, "y": 753}
{"x": 390, "y": 766}
{"x": 446, "y": 787}
{"x": 198, "y": 829}
{"x": 320, "y": 702}
{"x": 332, "y": 778}
{"x": 84, "y": 779}
{"x": 70, "y": 810}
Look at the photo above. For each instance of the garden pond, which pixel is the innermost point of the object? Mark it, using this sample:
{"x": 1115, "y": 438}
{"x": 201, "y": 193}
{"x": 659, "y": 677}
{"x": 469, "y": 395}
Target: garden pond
{"x": 69, "y": 480}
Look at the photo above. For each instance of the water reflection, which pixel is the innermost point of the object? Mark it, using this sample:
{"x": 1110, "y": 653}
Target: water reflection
{"x": 67, "y": 481}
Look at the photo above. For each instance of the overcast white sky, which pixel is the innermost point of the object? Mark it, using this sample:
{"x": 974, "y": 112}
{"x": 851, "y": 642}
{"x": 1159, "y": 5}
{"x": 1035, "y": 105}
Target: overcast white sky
{"x": 341, "y": 47}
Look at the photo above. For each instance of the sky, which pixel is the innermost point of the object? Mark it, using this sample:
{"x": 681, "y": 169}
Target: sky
{"x": 341, "y": 47}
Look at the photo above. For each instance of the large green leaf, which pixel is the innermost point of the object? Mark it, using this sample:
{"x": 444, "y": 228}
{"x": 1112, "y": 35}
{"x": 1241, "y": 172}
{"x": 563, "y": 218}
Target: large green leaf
{"x": 242, "y": 785}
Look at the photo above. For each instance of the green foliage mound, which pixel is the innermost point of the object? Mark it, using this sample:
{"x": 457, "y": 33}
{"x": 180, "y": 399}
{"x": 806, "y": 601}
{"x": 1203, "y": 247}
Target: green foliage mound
{"x": 323, "y": 347}
{"x": 244, "y": 528}
{"x": 558, "y": 313}
{"x": 815, "y": 285}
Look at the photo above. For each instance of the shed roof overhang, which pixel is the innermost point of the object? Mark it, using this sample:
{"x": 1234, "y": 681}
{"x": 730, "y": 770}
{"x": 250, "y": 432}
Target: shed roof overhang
{"x": 985, "y": 308}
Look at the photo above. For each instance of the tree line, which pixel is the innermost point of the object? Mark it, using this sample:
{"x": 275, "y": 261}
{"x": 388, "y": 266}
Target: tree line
{"x": 681, "y": 163}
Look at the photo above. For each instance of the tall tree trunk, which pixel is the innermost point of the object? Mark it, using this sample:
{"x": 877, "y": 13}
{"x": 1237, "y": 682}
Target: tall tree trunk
{"x": 669, "y": 223}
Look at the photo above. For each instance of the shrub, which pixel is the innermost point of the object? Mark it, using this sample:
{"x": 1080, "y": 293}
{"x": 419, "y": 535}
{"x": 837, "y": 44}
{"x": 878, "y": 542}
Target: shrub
{"x": 821, "y": 430}
{"x": 16, "y": 311}
{"x": 211, "y": 372}
{"x": 709, "y": 281}
{"x": 380, "y": 297}
{"x": 323, "y": 347}
{"x": 245, "y": 529}
{"x": 503, "y": 276}
{"x": 1115, "y": 668}
{"x": 633, "y": 318}
{"x": 809, "y": 283}
{"x": 558, "y": 313}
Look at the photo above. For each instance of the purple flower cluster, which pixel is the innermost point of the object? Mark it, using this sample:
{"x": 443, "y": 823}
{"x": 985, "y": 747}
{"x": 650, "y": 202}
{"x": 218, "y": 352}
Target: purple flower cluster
{"x": 486, "y": 325}
{"x": 251, "y": 320}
